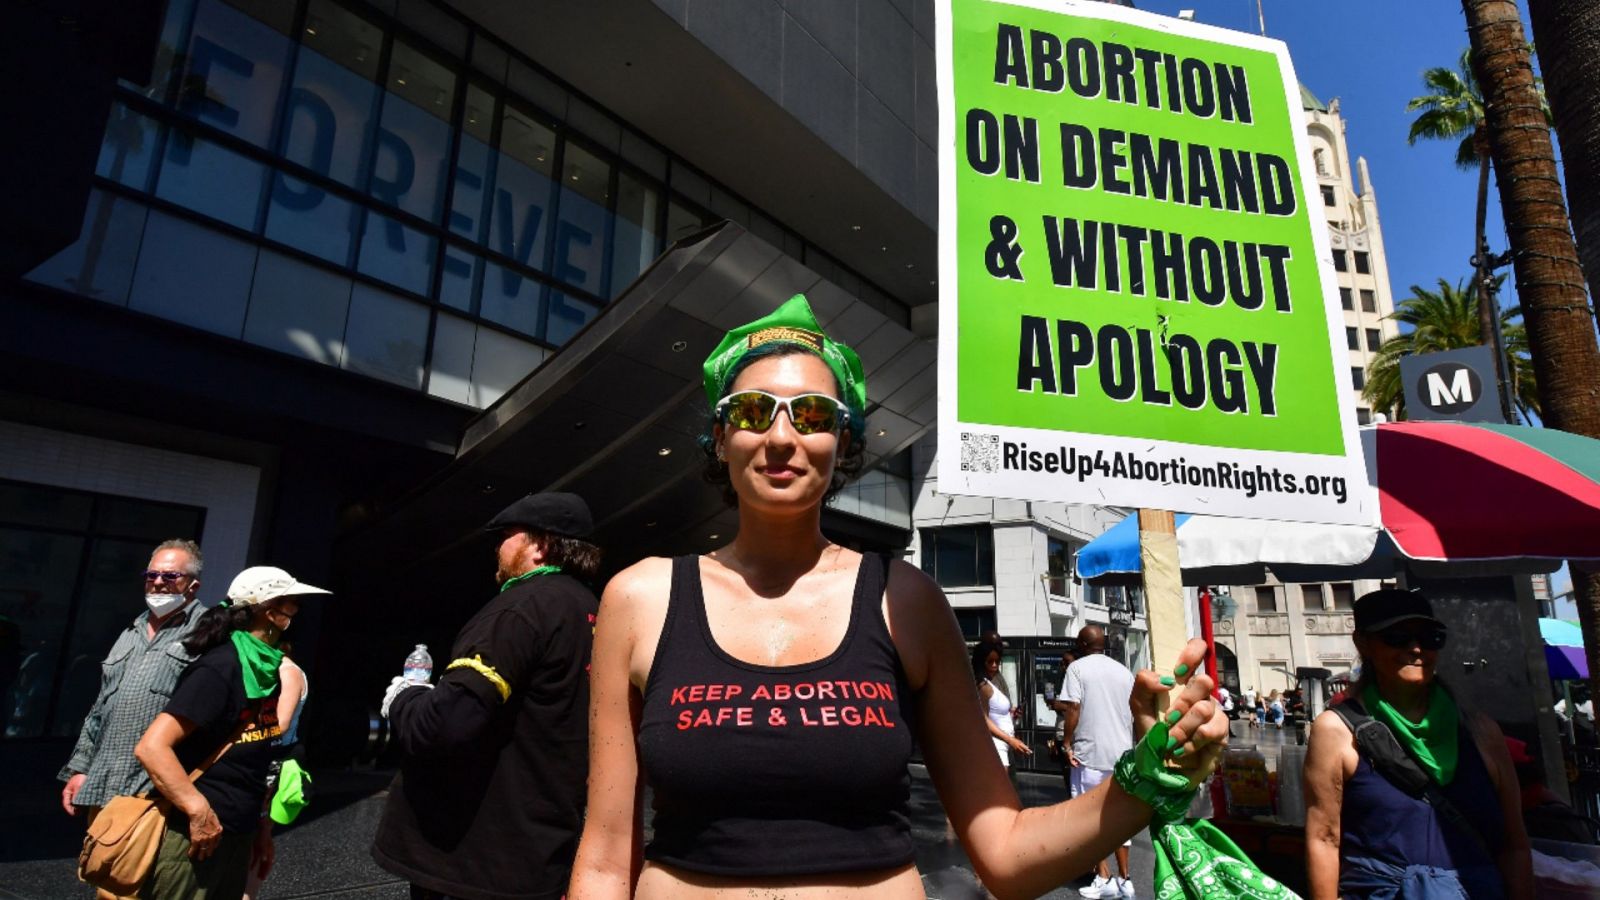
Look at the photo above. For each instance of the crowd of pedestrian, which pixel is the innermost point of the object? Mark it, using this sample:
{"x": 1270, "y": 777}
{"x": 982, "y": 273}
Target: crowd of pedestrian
{"x": 769, "y": 693}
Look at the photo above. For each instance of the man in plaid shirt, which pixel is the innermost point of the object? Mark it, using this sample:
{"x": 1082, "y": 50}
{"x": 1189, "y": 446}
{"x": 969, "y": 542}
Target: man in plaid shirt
{"x": 136, "y": 681}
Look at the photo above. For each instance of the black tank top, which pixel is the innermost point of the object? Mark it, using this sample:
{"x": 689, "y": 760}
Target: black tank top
{"x": 777, "y": 770}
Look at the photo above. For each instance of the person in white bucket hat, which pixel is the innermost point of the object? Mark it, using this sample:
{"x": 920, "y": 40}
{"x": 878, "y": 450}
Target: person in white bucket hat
{"x": 226, "y": 702}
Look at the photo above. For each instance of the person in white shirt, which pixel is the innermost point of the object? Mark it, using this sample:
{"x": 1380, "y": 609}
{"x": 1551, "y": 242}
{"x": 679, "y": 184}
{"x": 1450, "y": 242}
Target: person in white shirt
{"x": 1098, "y": 730}
{"x": 1249, "y": 695}
{"x": 1224, "y": 699}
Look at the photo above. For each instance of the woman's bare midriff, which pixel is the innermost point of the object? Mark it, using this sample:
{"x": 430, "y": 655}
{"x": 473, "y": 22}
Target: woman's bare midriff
{"x": 661, "y": 882}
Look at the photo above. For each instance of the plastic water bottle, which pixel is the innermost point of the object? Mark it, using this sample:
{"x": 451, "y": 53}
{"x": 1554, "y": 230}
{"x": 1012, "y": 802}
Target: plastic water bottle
{"x": 419, "y": 666}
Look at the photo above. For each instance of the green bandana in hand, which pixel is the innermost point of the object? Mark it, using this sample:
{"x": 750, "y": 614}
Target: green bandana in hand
{"x": 1194, "y": 860}
{"x": 1431, "y": 742}
{"x": 791, "y": 323}
{"x": 259, "y": 660}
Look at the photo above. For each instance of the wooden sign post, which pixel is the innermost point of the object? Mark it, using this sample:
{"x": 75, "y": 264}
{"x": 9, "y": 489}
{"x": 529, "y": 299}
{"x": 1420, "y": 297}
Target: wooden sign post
{"x": 1163, "y": 587}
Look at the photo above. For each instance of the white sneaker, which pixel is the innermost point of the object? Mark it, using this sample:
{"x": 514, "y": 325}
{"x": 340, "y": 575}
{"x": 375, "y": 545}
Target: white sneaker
{"x": 1100, "y": 889}
{"x": 1125, "y": 888}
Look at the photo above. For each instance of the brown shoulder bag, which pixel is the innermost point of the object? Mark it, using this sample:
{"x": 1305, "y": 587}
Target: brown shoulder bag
{"x": 120, "y": 847}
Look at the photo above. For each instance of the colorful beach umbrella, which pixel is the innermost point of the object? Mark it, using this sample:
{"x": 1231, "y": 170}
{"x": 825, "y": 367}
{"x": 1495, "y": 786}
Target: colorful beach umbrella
{"x": 1563, "y": 649}
{"x": 1460, "y": 491}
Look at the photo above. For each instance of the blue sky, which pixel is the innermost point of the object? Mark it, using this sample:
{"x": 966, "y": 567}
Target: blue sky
{"x": 1371, "y": 56}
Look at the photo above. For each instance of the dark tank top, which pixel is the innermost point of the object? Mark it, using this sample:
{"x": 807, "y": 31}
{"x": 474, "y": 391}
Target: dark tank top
{"x": 777, "y": 770}
{"x": 1381, "y": 822}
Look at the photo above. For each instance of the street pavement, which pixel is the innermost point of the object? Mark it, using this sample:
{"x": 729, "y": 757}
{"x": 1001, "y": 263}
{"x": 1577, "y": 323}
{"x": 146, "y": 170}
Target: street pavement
{"x": 325, "y": 854}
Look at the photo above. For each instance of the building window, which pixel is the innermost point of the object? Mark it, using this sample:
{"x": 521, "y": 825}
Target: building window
{"x": 1327, "y": 196}
{"x": 324, "y": 128}
{"x": 1128, "y": 601}
{"x": 1058, "y": 565}
{"x": 1369, "y": 301}
{"x": 1347, "y": 298}
{"x": 1374, "y": 340}
{"x": 1266, "y": 600}
{"x": 960, "y": 556}
{"x": 1352, "y": 337}
{"x": 1363, "y": 264}
{"x": 1339, "y": 261}
{"x": 67, "y": 559}
{"x": 975, "y": 623}
{"x": 1363, "y": 416}
{"x": 1344, "y": 596}
{"x": 1311, "y": 597}
{"x": 1358, "y": 377}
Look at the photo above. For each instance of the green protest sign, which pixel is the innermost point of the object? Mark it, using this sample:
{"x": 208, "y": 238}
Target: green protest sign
{"x": 1131, "y": 277}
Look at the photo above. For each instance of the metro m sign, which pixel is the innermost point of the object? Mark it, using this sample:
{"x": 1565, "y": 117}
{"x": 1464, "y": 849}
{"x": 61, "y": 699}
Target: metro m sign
{"x": 1455, "y": 385}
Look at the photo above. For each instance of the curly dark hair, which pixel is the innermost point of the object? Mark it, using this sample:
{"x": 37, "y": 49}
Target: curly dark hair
{"x": 847, "y": 464}
{"x": 215, "y": 627}
{"x": 576, "y": 557}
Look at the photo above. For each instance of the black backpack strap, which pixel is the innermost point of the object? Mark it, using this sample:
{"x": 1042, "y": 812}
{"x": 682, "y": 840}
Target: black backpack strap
{"x": 1378, "y": 744}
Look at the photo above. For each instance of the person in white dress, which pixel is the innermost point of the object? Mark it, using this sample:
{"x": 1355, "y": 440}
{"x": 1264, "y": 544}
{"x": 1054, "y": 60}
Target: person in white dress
{"x": 996, "y": 704}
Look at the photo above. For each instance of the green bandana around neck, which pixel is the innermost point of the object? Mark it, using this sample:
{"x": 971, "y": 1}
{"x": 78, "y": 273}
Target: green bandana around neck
{"x": 531, "y": 573}
{"x": 791, "y": 323}
{"x": 259, "y": 660}
{"x": 1431, "y": 742}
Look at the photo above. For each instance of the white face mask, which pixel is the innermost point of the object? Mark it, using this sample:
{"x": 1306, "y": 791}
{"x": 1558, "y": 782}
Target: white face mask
{"x": 162, "y": 604}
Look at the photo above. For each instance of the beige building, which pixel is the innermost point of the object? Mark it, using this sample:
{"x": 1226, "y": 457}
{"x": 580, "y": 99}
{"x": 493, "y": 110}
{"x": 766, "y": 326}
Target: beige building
{"x": 1276, "y": 628}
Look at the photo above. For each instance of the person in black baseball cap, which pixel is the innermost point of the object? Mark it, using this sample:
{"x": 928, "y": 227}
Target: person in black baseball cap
{"x": 1378, "y": 610}
{"x": 489, "y": 799}
{"x": 1370, "y": 836}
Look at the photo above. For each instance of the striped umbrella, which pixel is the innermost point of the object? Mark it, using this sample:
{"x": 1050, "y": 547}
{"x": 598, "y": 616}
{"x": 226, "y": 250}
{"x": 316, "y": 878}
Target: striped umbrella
{"x": 1460, "y": 491}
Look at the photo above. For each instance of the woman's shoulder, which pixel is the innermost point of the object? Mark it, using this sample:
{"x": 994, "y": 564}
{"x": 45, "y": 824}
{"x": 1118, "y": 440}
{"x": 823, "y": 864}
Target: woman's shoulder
{"x": 646, "y": 573}
{"x": 223, "y": 657}
{"x": 645, "y": 585}
{"x": 910, "y": 586}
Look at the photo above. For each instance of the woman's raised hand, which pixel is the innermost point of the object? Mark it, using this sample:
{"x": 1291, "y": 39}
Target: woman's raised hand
{"x": 1197, "y": 729}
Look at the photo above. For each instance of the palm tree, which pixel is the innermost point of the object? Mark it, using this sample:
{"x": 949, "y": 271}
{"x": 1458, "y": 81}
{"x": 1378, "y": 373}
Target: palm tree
{"x": 1447, "y": 319}
{"x": 1569, "y": 36}
{"x": 1561, "y": 328}
{"x": 1453, "y": 111}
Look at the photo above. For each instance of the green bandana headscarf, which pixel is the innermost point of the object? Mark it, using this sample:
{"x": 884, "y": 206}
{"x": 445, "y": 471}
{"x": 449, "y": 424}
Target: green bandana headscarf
{"x": 531, "y": 573}
{"x": 1431, "y": 742}
{"x": 791, "y": 323}
{"x": 259, "y": 660}
{"x": 1194, "y": 860}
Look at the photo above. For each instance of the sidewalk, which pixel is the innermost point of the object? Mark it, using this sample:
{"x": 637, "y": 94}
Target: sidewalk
{"x": 325, "y": 854}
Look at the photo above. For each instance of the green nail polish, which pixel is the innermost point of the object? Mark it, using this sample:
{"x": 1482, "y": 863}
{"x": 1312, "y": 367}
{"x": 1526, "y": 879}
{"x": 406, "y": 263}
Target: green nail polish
{"x": 1173, "y": 717}
{"x": 1177, "y": 753}
{"x": 1182, "y": 669}
{"x": 1168, "y": 680}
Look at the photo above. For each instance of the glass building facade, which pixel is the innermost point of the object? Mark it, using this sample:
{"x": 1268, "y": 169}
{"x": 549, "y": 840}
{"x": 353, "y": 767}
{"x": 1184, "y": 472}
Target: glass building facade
{"x": 381, "y": 188}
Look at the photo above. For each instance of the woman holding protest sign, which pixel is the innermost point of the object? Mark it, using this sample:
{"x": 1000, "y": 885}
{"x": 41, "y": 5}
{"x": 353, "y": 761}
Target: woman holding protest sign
{"x": 770, "y": 691}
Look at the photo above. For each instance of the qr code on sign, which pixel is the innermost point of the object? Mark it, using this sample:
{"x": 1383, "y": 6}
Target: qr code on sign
{"x": 980, "y": 452}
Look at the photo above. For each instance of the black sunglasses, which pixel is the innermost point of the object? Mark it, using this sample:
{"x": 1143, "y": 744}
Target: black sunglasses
{"x": 1403, "y": 638}
{"x": 168, "y": 577}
